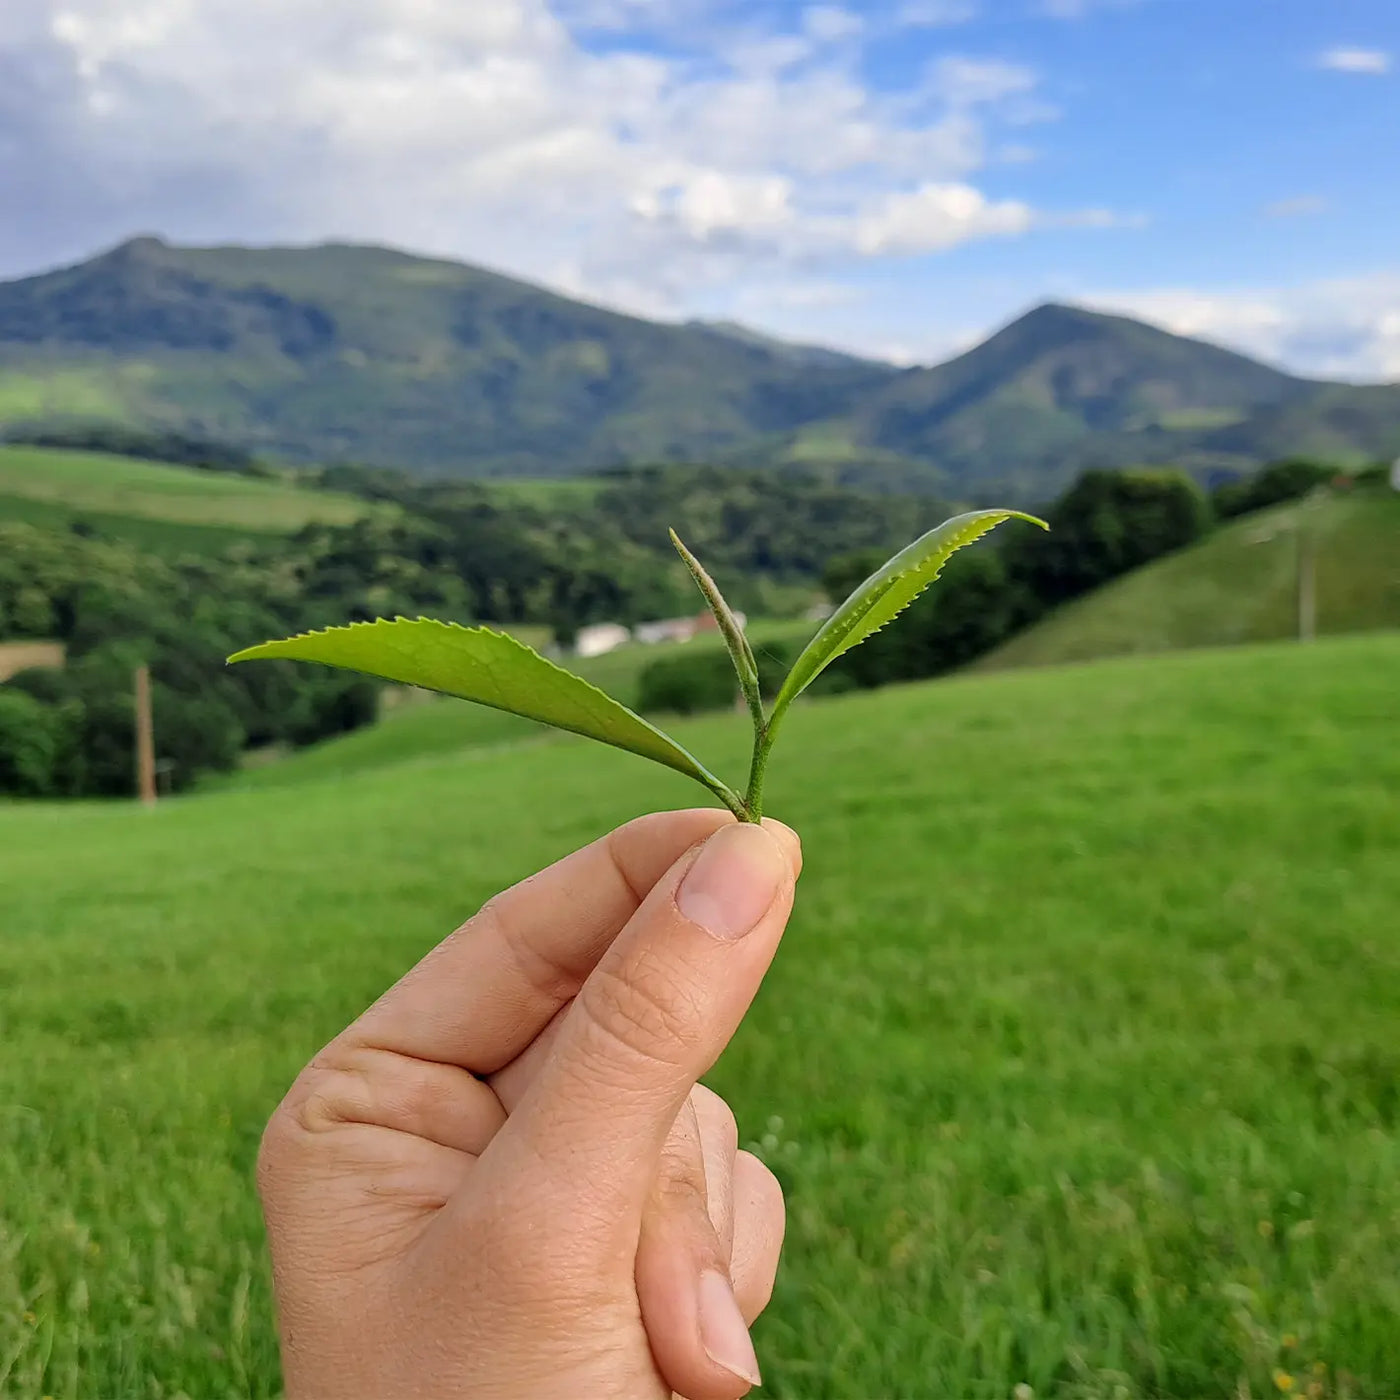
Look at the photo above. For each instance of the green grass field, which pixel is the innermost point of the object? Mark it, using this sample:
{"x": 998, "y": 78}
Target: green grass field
{"x": 1079, "y": 1065}
{"x": 547, "y": 493}
{"x": 1239, "y": 585}
{"x": 156, "y": 504}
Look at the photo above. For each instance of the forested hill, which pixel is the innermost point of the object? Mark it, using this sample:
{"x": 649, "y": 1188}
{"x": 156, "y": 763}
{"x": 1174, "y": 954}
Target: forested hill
{"x": 339, "y": 352}
{"x": 343, "y": 352}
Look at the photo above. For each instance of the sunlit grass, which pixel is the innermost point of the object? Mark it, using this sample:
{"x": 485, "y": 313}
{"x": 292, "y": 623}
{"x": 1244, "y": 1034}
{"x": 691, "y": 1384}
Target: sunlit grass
{"x": 1079, "y": 1063}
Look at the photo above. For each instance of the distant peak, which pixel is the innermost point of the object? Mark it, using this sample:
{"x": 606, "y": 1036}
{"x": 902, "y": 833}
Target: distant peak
{"x": 144, "y": 245}
{"x": 1060, "y": 312}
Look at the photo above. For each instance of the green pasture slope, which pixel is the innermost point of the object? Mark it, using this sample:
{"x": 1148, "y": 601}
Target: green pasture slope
{"x": 1079, "y": 1064}
{"x": 1239, "y": 585}
{"x": 156, "y": 504}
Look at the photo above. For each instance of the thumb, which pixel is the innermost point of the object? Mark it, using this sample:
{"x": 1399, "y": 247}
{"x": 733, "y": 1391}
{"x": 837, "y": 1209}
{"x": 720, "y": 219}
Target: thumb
{"x": 653, "y": 1016}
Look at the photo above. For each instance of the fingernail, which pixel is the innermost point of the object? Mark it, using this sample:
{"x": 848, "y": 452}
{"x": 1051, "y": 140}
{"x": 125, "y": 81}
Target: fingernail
{"x": 723, "y": 1332}
{"x": 734, "y": 881}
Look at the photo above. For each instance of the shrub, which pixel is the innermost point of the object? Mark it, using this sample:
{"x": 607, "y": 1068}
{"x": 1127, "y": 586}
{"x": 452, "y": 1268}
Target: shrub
{"x": 29, "y": 745}
{"x": 1276, "y": 483}
{"x": 1107, "y": 524}
{"x": 690, "y": 682}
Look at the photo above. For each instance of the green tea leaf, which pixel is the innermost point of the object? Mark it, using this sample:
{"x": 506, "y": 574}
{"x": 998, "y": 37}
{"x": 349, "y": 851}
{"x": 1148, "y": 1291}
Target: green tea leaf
{"x": 739, "y": 650}
{"x": 476, "y": 663}
{"x": 886, "y": 593}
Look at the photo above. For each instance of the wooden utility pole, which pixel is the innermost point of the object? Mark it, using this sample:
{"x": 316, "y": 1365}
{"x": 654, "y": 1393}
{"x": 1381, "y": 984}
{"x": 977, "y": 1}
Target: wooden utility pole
{"x": 145, "y": 739}
{"x": 1307, "y": 581}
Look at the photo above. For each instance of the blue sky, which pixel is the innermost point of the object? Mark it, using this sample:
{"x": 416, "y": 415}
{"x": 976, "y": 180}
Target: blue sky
{"x": 896, "y": 176}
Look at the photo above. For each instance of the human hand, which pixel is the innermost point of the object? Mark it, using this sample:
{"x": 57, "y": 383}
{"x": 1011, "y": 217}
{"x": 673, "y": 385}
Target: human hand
{"x": 503, "y": 1182}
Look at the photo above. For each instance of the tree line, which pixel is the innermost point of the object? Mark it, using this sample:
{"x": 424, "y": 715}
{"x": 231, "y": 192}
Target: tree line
{"x": 561, "y": 558}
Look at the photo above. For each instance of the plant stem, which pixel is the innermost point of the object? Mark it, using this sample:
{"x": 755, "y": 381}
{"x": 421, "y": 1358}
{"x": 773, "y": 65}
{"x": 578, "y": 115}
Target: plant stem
{"x": 732, "y": 800}
{"x": 762, "y": 745}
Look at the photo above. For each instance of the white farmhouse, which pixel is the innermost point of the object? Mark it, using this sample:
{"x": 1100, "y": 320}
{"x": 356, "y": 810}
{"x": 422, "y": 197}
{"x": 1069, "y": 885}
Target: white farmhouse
{"x": 600, "y": 638}
{"x": 682, "y": 629}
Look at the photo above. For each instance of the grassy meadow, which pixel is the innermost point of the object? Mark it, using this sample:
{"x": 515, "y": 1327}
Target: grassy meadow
{"x": 1238, "y": 585}
{"x": 157, "y": 504}
{"x": 1079, "y": 1064}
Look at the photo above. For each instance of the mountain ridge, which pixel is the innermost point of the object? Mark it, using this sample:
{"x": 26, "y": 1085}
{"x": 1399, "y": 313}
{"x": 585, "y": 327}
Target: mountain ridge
{"x": 342, "y": 351}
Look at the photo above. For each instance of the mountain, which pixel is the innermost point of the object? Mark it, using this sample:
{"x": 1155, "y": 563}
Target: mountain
{"x": 363, "y": 353}
{"x": 784, "y": 349}
{"x": 1063, "y": 388}
{"x": 341, "y": 352}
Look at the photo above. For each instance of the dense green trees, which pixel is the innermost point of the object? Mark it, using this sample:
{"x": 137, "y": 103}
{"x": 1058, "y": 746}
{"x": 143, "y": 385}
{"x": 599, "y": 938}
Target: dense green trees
{"x": 1106, "y": 524}
{"x": 151, "y": 444}
{"x": 571, "y": 553}
{"x": 69, "y": 732}
{"x": 28, "y": 744}
{"x": 1279, "y": 481}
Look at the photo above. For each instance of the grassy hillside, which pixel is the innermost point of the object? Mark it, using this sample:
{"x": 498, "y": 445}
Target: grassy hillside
{"x": 356, "y": 353}
{"x": 1239, "y": 585}
{"x": 156, "y": 504}
{"x": 1079, "y": 1065}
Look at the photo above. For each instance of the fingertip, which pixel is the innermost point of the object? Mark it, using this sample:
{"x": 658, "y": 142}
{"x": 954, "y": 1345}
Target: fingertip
{"x": 789, "y": 840}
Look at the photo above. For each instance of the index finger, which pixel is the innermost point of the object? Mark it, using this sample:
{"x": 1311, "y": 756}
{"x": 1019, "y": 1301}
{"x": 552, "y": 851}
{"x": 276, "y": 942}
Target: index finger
{"x": 485, "y": 992}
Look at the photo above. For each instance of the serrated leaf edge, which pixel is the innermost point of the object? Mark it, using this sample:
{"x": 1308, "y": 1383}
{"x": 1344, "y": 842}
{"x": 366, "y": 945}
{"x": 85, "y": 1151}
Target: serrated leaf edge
{"x": 979, "y": 525}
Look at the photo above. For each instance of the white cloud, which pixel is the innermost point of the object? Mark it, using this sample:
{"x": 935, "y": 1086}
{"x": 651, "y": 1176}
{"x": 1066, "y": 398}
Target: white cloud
{"x": 967, "y": 82}
{"x": 1296, "y": 207}
{"x": 1346, "y": 59}
{"x": 1078, "y": 9}
{"x": 795, "y": 295}
{"x": 662, "y": 176}
{"x": 709, "y": 203}
{"x": 935, "y": 217}
{"x": 1346, "y": 327}
{"x": 829, "y": 24}
{"x": 934, "y": 14}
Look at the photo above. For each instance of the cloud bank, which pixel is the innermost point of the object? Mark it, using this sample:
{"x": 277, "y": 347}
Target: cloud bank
{"x": 637, "y": 169}
{"x": 669, "y": 157}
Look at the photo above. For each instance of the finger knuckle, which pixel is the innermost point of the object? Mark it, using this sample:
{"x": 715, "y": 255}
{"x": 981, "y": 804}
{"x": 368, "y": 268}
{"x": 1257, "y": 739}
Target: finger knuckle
{"x": 328, "y": 1099}
{"x": 543, "y": 974}
{"x": 680, "y": 1183}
